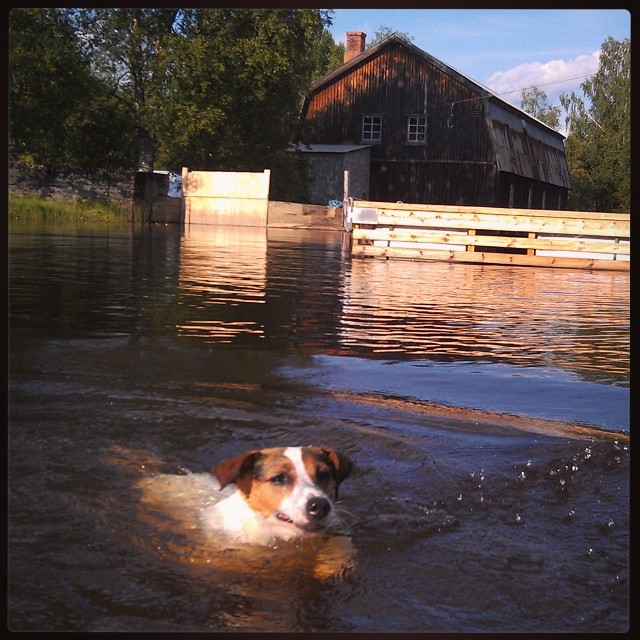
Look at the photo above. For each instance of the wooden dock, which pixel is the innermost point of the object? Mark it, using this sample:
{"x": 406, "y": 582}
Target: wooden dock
{"x": 489, "y": 235}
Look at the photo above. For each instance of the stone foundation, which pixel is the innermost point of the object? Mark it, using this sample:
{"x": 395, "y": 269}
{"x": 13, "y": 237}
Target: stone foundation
{"x": 61, "y": 183}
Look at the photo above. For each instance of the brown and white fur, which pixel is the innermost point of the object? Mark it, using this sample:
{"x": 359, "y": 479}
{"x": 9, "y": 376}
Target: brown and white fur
{"x": 233, "y": 518}
{"x": 280, "y": 493}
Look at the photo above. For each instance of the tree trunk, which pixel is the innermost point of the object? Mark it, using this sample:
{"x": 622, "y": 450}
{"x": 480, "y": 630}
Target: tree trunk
{"x": 148, "y": 148}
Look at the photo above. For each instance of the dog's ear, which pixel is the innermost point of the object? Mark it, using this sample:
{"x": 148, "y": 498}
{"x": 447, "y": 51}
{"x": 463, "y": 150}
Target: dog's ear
{"x": 341, "y": 463}
{"x": 227, "y": 471}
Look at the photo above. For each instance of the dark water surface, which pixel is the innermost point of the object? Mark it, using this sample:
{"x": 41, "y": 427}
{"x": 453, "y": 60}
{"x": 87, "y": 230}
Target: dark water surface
{"x": 486, "y": 409}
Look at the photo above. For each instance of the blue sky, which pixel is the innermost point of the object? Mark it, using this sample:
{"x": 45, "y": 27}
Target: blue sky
{"x": 505, "y": 50}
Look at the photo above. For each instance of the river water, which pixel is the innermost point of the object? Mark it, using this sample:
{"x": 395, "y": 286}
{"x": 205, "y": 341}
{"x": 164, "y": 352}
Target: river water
{"x": 486, "y": 410}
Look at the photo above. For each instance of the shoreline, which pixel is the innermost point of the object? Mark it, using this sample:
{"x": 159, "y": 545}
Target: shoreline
{"x": 285, "y": 215}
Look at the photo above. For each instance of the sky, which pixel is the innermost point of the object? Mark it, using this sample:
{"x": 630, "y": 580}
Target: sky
{"x": 505, "y": 50}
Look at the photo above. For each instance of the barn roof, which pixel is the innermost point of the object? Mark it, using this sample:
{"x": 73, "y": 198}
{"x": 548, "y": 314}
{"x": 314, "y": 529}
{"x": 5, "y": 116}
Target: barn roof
{"x": 394, "y": 38}
{"x": 523, "y": 144}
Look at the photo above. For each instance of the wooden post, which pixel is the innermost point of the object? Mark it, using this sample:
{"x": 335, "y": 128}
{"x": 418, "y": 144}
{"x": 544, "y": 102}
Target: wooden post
{"x": 345, "y": 197}
{"x": 185, "y": 173}
{"x": 471, "y": 247}
{"x": 532, "y": 236}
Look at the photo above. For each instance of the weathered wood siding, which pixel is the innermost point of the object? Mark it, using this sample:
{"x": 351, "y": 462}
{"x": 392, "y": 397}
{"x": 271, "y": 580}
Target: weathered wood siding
{"x": 395, "y": 85}
{"x": 436, "y": 182}
{"x": 458, "y": 163}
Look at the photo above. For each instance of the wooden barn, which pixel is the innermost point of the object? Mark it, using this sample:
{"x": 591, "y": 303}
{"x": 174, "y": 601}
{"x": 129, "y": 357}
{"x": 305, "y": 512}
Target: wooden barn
{"x": 436, "y": 136}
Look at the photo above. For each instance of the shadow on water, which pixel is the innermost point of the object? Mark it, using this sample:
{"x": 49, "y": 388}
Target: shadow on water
{"x": 486, "y": 410}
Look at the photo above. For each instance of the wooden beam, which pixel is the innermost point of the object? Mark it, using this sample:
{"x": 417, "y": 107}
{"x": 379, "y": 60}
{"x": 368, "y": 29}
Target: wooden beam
{"x": 512, "y": 222}
{"x": 473, "y": 240}
{"x": 488, "y": 258}
{"x": 444, "y": 208}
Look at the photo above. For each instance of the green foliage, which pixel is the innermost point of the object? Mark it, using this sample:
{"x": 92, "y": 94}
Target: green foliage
{"x": 123, "y": 46}
{"x": 234, "y": 83}
{"x": 204, "y": 88}
{"x": 132, "y": 87}
{"x": 289, "y": 178}
{"x": 45, "y": 71}
{"x": 534, "y": 102}
{"x": 59, "y": 112}
{"x": 598, "y": 145}
{"x": 325, "y": 54}
{"x": 384, "y": 32}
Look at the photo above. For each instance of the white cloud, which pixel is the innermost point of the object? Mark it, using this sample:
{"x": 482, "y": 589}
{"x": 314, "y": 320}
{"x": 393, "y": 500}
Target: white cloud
{"x": 553, "y": 77}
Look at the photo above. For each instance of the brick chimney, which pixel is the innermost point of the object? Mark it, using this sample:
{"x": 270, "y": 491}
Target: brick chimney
{"x": 355, "y": 44}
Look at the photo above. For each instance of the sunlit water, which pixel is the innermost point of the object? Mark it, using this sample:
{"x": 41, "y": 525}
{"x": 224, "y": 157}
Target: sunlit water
{"x": 486, "y": 409}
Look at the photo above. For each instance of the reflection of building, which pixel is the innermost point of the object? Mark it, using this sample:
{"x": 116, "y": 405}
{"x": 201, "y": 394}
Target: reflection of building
{"x": 436, "y": 136}
{"x": 292, "y": 290}
{"x": 305, "y": 278}
{"x": 529, "y": 317}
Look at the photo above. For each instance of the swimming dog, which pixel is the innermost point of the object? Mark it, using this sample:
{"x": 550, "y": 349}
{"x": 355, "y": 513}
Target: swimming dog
{"x": 246, "y": 509}
{"x": 280, "y": 493}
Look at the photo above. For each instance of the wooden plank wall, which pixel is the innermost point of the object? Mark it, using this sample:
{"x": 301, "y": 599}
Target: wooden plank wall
{"x": 225, "y": 197}
{"x": 532, "y": 237}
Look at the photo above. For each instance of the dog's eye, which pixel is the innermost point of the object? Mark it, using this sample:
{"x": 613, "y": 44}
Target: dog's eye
{"x": 281, "y": 478}
{"x": 323, "y": 476}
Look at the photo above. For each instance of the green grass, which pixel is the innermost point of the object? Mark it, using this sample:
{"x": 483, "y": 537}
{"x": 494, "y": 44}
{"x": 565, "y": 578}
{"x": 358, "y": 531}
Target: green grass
{"x": 31, "y": 208}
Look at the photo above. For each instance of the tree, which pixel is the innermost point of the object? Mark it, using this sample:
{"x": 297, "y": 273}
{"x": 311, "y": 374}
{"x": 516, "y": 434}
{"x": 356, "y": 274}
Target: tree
{"x": 384, "y": 32}
{"x": 55, "y": 103}
{"x": 233, "y": 86}
{"x": 598, "y": 145}
{"x": 124, "y": 45}
{"x": 326, "y": 54}
{"x": 205, "y": 88}
{"x": 534, "y": 102}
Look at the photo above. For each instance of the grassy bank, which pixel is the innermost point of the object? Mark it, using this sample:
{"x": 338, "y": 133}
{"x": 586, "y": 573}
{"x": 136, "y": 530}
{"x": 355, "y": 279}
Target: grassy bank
{"x": 31, "y": 208}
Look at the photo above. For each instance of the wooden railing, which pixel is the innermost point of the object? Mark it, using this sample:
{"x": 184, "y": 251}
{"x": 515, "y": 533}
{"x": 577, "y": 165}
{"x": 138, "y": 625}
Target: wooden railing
{"x": 531, "y": 237}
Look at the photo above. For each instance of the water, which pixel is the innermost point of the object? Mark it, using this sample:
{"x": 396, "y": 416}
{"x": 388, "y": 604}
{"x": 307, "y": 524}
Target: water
{"x": 486, "y": 409}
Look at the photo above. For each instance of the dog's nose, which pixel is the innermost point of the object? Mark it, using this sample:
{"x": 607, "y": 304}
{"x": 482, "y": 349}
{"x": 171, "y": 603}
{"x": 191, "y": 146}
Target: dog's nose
{"x": 318, "y": 508}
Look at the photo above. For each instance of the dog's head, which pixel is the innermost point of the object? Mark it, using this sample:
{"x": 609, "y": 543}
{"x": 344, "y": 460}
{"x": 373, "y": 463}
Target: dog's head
{"x": 291, "y": 486}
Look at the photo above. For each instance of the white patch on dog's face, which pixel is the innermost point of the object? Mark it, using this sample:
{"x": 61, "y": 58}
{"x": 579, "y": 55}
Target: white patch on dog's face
{"x": 289, "y": 488}
{"x": 295, "y": 505}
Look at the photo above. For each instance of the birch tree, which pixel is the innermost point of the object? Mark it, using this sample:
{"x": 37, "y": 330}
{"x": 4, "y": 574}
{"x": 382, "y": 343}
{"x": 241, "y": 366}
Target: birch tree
{"x": 598, "y": 144}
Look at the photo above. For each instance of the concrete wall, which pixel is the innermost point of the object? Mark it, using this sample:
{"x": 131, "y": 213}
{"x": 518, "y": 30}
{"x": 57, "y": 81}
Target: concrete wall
{"x": 327, "y": 174}
{"x": 146, "y": 192}
{"x": 358, "y": 163}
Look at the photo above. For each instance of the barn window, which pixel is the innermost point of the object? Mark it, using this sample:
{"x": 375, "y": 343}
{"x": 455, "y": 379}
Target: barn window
{"x": 371, "y": 127}
{"x": 417, "y": 129}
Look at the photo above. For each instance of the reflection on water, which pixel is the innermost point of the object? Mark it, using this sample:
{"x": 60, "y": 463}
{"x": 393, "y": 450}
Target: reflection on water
{"x": 240, "y": 285}
{"x": 569, "y": 319}
{"x": 474, "y": 506}
{"x": 247, "y": 286}
{"x": 300, "y": 290}
{"x": 222, "y": 266}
